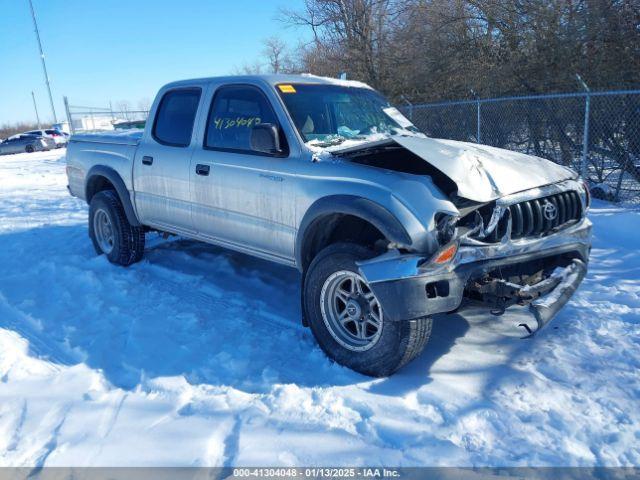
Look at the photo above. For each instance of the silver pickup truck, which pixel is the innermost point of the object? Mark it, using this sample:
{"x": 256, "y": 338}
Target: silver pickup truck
{"x": 387, "y": 226}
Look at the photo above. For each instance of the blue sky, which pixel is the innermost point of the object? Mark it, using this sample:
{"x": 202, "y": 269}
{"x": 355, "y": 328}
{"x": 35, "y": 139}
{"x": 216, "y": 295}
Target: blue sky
{"x": 102, "y": 50}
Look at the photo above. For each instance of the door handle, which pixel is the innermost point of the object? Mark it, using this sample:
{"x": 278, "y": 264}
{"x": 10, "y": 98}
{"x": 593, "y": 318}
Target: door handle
{"x": 147, "y": 160}
{"x": 202, "y": 169}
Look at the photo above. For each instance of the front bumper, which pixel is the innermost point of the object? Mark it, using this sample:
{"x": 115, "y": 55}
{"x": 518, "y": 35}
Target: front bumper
{"x": 409, "y": 287}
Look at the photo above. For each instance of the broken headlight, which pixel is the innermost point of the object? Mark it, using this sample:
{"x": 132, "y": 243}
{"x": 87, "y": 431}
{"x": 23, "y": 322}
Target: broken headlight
{"x": 445, "y": 227}
{"x": 586, "y": 194}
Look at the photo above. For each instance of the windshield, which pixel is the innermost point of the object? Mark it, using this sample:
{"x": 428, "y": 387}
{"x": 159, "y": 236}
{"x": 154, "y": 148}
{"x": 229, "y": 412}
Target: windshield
{"x": 330, "y": 114}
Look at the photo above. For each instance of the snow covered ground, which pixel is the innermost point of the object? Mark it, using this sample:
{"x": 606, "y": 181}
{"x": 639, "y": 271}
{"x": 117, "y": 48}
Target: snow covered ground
{"x": 196, "y": 357}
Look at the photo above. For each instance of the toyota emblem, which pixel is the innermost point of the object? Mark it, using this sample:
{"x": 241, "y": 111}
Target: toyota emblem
{"x": 549, "y": 211}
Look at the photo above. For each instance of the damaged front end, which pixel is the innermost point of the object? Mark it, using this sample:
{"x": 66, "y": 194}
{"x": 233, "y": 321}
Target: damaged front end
{"x": 544, "y": 288}
{"x": 529, "y": 248}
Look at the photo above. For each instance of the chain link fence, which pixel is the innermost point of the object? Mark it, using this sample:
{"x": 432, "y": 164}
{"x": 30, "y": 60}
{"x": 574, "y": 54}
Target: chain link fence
{"x": 595, "y": 133}
{"x": 86, "y": 119}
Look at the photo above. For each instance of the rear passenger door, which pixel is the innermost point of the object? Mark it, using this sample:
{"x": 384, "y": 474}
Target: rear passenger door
{"x": 161, "y": 166}
{"x": 237, "y": 193}
{"x": 19, "y": 145}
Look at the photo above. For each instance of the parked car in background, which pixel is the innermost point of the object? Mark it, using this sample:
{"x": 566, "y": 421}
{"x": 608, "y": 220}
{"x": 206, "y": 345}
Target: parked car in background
{"x": 59, "y": 138}
{"x": 26, "y": 143}
{"x": 62, "y": 127}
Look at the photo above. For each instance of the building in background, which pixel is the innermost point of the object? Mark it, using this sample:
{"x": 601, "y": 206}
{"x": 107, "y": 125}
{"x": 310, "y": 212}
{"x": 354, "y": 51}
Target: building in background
{"x": 92, "y": 122}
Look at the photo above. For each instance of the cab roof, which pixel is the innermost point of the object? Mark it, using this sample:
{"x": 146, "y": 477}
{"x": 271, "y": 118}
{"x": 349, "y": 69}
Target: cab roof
{"x": 271, "y": 79}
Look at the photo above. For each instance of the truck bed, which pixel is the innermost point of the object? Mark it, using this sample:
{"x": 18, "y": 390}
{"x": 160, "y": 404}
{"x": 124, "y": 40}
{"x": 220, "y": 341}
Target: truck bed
{"x": 113, "y": 150}
{"x": 122, "y": 137}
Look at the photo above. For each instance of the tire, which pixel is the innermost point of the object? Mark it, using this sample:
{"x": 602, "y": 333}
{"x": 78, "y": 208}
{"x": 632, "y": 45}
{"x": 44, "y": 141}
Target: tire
{"x": 29, "y": 149}
{"x": 392, "y": 346}
{"x": 110, "y": 231}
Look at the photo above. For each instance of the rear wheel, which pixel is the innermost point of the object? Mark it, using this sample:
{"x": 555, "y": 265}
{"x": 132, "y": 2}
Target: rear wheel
{"x": 111, "y": 232}
{"x": 348, "y": 321}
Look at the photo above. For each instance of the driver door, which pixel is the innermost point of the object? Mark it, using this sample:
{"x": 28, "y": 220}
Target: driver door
{"x": 238, "y": 195}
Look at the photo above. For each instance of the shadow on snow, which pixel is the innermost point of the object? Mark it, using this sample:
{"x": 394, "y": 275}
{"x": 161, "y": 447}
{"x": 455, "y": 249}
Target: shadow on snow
{"x": 215, "y": 316}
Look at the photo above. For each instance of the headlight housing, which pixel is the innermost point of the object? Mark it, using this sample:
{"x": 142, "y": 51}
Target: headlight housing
{"x": 587, "y": 194}
{"x": 446, "y": 226}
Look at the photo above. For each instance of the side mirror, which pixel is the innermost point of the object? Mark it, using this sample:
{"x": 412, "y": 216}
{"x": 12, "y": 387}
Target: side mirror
{"x": 265, "y": 138}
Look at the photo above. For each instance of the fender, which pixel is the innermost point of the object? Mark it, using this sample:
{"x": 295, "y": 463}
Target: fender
{"x": 115, "y": 179}
{"x": 361, "y": 207}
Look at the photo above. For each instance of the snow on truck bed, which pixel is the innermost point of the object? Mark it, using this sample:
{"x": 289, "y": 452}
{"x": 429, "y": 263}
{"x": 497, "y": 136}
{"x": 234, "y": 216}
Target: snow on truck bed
{"x": 196, "y": 357}
{"x": 121, "y": 137}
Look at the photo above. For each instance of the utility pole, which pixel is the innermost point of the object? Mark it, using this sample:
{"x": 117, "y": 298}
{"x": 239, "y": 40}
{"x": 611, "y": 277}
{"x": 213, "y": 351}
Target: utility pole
{"x": 35, "y": 107}
{"x": 44, "y": 65}
{"x": 478, "y": 118}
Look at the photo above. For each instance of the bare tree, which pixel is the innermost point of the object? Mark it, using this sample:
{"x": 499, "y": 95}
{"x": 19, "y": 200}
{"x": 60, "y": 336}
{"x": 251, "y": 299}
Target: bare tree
{"x": 354, "y": 36}
{"x": 275, "y": 51}
{"x": 254, "y": 68}
{"x": 8, "y": 129}
{"x": 144, "y": 104}
{"x": 276, "y": 58}
{"x": 435, "y": 49}
{"x": 124, "y": 107}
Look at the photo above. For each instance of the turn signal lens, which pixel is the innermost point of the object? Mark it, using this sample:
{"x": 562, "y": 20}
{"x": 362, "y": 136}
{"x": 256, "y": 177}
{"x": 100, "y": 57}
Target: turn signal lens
{"x": 446, "y": 254}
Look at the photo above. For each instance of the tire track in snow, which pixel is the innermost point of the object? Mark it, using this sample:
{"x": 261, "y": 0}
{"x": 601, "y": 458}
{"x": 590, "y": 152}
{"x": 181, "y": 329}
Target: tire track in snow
{"x": 51, "y": 444}
{"x": 232, "y": 443}
{"x": 110, "y": 418}
{"x": 17, "y": 431}
{"x": 189, "y": 293}
{"x": 39, "y": 341}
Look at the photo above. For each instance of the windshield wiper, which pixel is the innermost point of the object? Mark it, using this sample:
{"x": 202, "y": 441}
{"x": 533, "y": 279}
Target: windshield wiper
{"x": 368, "y": 147}
{"x": 329, "y": 141}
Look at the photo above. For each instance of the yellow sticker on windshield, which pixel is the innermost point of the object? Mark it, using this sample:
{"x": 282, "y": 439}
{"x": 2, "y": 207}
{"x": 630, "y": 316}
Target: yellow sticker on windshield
{"x": 287, "y": 88}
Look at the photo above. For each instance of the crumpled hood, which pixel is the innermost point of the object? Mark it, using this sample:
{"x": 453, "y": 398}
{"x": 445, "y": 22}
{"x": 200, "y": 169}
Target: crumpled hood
{"x": 484, "y": 173}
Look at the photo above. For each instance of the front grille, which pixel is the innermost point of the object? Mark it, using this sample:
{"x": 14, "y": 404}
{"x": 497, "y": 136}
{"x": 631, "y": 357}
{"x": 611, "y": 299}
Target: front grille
{"x": 531, "y": 218}
{"x": 537, "y": 217}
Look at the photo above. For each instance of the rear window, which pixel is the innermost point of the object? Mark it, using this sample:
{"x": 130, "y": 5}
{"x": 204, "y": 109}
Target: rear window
{"x": 51, "y": 132}
{"x": 175, "y": 117}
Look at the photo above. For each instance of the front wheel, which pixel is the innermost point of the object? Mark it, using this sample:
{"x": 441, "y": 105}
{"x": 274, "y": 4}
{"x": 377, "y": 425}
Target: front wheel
{"x": 29, "y": 149}
{"x": 348, "y": 321}
{"x": 111, "y": 232}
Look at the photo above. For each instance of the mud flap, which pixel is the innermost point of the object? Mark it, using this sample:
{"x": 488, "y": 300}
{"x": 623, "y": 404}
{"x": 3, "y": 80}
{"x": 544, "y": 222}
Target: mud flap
{"x": 546, "y": 307}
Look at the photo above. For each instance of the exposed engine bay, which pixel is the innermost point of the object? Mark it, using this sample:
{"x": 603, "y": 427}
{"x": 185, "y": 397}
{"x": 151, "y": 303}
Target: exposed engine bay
{"x": 538, "y": 213}
{"x": 504, "y": 246}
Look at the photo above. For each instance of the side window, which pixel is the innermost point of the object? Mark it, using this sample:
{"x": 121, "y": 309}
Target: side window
{"x": 176, "y": 114}
{"x": 235, "y": 110}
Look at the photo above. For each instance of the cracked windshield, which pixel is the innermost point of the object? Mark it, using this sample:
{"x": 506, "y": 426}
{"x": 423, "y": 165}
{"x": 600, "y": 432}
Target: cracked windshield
{"x": 327, "y": 115}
